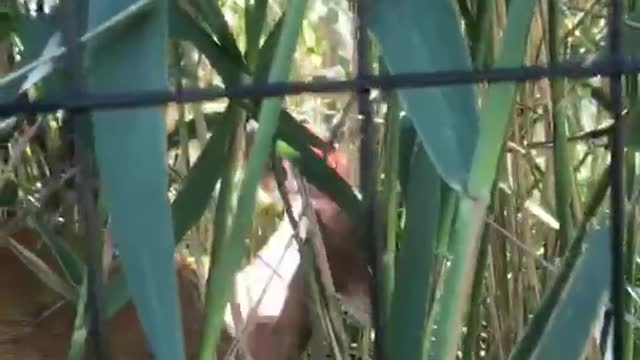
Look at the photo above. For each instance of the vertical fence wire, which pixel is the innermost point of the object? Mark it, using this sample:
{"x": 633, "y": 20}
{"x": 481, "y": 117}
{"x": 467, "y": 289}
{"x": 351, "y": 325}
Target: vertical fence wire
{"x": 367, "y": 171}
{"x": 617, "y": 180}
{"x": 79, "y": 123}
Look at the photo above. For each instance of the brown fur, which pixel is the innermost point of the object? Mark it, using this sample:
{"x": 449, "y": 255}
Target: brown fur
{"x": 25, "y": 298}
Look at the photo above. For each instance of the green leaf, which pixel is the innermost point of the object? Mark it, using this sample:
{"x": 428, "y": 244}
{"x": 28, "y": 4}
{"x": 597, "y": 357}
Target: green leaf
{"x": 409, "y": 32}
{"x": 408, "y": 315}
{"x": 130, "y": 150}
{"x": 195, "y": 194}
{"x": 569, "y": 325}
{"x": 36, "y": 32}
{"x": 577, "y": 286}
{"x": 467, "y": 230}
{"x": 33, "y": 34}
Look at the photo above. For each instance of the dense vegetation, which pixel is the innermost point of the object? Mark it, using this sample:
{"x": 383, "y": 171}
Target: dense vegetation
{"x": 489, "y": 200}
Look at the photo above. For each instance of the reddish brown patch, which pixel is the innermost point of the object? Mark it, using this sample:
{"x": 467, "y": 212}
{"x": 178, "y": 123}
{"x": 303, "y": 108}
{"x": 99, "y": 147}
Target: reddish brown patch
{"x": 25, "y": 298}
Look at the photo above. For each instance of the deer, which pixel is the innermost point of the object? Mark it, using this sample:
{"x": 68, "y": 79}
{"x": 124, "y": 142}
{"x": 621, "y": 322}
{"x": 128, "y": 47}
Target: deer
{"x": 37, "y": 323}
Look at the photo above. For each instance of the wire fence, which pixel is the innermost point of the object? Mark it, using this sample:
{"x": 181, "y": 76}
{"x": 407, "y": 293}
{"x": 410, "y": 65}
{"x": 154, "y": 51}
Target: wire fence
{"x": 78, "y": 102}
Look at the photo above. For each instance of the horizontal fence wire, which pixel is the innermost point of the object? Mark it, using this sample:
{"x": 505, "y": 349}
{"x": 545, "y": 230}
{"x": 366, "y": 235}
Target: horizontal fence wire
{"x": 122, "y": 100}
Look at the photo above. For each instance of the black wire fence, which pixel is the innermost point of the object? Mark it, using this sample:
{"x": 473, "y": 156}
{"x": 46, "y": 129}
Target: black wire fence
{"x": 77, "y": 102}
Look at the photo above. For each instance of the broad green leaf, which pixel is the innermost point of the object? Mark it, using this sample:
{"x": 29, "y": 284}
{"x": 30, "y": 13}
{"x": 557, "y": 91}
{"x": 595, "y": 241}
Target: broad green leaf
{"x": 130, "y": 150}
{"x": 387, "y": 201}
{"x": 116, "y": 295}
{"x": 569, "y": 326}
{"x": 412, "y": 35}
{"x": 408, "y": 315}
{"x": 110, "y": 29}
{"x": 541, "y": 319}
{"x": 495, "y": 118}
{"x": 33, "y": 34}
{"x": 42, "y": 70}
{"x": 195, "y": 194}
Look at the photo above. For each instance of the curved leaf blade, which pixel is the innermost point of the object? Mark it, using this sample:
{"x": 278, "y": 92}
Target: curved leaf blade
{"x": 570, "y": 324}
{"x": 445, "y": 117}
{"x": 130, "y": 150}
{"x": 408, "y": 314}
{"x": 467, "y": 230}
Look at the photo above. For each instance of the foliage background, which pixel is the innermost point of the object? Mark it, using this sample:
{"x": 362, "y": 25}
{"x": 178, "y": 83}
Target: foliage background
{"x": 508, "y": 270}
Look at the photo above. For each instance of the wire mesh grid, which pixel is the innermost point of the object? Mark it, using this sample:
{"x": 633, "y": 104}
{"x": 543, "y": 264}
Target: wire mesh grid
{"x": 77, "y": 102}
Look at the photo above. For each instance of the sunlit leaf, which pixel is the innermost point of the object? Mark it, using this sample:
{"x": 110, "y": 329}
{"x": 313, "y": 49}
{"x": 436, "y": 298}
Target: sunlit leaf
{"x": 445, "y": 117}
{"x": 131, "y": 157}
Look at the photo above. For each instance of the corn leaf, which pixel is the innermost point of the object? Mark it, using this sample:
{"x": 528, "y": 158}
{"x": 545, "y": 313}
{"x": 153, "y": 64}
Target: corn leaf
{"x": 130, "y": 150}
{"x": 584, "y": 292}
{"x": 495, "y": 117}
{"x": 445, "y": 118}
{"x": 408, "y": 314}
